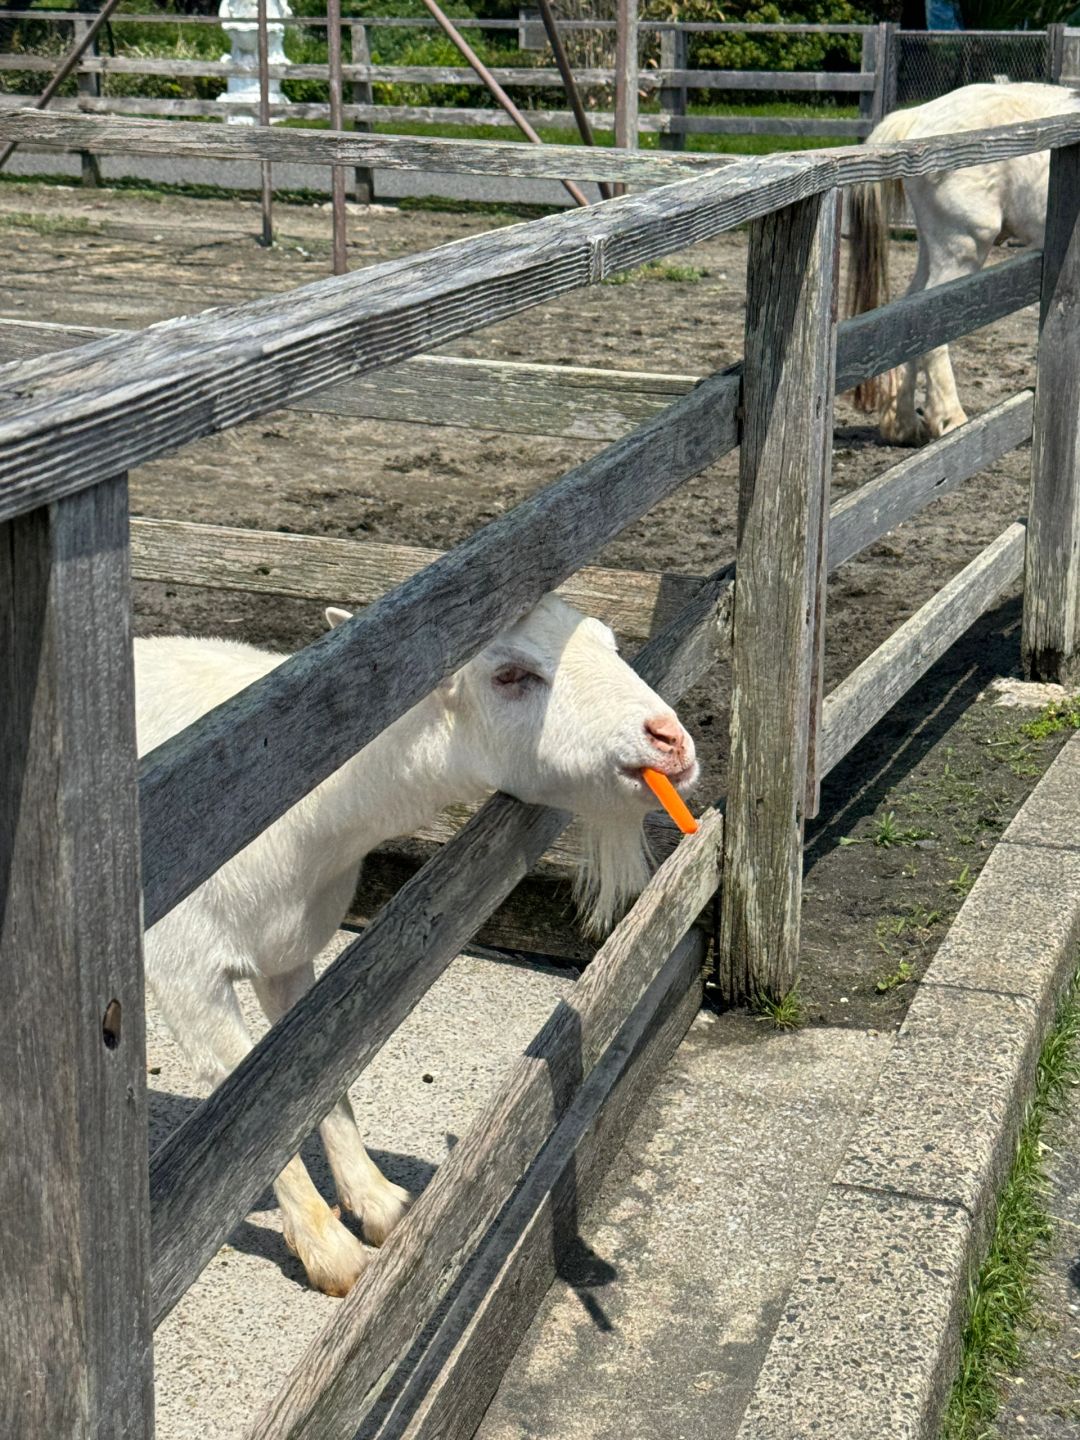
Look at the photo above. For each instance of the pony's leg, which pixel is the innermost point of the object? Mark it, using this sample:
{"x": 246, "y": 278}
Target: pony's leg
{"x": 209, "y": 1026}
{"x": 361, "y": 1185}
{"x": 960, "y": 253}
{"x": 899, "y": 423}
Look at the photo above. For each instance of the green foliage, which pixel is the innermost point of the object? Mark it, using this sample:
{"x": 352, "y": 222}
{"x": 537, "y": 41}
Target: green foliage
{"x": 1018, "y": 14}
{"x": 1057, "y": 716}
{"x": 769, "y": 52}
{"x": 1001, "y": 1298}
{"x": 782, "y": 1012}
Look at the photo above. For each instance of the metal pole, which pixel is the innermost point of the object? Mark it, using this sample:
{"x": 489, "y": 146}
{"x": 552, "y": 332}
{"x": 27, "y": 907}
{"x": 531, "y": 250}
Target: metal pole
{"x": 337, "y": 172}
{"x": 562, "y": 60}
{"x": 67, "y": 65}
{"x": 496, "y": 89}
{"x": 267, "y": 237}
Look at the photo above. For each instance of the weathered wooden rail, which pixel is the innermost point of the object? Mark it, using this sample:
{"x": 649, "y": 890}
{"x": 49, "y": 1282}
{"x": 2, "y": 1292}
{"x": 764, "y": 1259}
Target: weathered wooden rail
{"x": 117, "y": 1248}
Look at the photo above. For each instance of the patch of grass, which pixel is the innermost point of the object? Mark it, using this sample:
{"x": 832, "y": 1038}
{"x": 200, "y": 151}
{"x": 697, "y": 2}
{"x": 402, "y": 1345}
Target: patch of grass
{"x": 1001, "y": 1296}
{"x": 1052, "y": 719}
{"x": 659, "y": 270}
{"x": 785, "y": 1012}
{"x": 900, "y": 976}
{"x": 887, "y": 833}
{"x": 962, "y": 883}
{"x": 47, "y": 224}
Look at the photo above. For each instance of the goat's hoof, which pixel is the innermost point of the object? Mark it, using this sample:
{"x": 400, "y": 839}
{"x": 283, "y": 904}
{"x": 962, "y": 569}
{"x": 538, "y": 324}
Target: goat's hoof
{"x": 382, "y": 1209}
{"x": 332, "y": 1256}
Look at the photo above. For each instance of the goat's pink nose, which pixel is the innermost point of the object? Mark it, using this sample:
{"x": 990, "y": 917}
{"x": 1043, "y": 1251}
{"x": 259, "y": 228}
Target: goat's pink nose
{"x": 667, "y": 736}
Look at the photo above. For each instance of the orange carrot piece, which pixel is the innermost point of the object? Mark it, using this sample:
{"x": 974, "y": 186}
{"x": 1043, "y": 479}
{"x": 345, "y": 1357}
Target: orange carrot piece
{"x": 670, "y": 799}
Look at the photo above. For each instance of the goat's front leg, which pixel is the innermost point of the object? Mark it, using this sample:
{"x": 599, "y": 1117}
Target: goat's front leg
{"x": 361, "y": 1186}
{"x": 211, "y": 1029}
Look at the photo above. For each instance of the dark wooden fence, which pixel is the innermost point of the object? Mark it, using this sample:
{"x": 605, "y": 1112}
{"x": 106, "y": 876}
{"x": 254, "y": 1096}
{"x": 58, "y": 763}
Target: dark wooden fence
{"x": 104, "y": 1250}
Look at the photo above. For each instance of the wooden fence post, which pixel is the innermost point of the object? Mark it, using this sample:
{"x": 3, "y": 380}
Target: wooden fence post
{"x": 74, "y": 1201}
{"x": 871, "y": 102}
{"x": 267, "y": 193}
{"x": 784, "y": 467}
{"x": 337, "y": 172}
{"x": 626, "y": 78}
{"x": 673, "y": 50}
{"x": 362, "y": 94}
{"x": 889, "y": 63}
{"x": 1055, "y": 52}
{"x": 88, "y": 85}
{"x": 1051, "y": 632}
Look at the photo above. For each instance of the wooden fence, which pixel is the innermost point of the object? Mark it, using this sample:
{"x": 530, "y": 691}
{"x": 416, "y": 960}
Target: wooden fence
{"x": 87, "y": 836}
{"x": 670, "y": 81}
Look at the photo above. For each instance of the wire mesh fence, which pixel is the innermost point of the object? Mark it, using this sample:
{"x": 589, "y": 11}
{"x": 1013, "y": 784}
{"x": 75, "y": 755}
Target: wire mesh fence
{"x": 930, "y": 64}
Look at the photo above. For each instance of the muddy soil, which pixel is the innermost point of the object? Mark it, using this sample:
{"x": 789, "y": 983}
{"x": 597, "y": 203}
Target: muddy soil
{"x": 132, "y": 258}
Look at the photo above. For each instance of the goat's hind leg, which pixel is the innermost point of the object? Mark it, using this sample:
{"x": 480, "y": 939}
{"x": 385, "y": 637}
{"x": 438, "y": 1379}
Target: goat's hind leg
{"x": 361, "y": 1186}
{"x": 212, "y": 1031}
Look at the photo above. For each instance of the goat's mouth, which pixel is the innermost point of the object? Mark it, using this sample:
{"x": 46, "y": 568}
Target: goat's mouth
{"x": 684, "y": 780}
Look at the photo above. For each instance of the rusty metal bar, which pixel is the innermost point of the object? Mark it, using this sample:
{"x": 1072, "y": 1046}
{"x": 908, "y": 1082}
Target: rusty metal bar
{"x": 267, "y": 237}
{"x": 337, "y": 172}
{"x": 67, "y": 65}
{"x": 500, "y": 95}
{"x": 562, "y": 60}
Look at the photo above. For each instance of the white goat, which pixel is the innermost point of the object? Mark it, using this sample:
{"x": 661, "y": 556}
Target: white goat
{"x": 547, "y": 712}
{"x": 959, "y": 215}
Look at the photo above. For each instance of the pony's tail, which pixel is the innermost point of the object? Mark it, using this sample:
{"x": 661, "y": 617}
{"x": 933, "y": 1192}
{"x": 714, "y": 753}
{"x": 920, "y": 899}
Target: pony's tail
{"x": 872, "y": 210}
{"x": 869, "y": 217}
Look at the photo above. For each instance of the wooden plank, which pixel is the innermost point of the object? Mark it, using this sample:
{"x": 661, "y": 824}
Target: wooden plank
{"x": 206, "y": 1175}
{"x": 874, "y": 687}
{"x": 461, "y": 1368}
{"x": 145, "y": 394}
{"x": 350, "y": 572}
{"x": 74, "y": 1323}
{"x": 784, "y": 462}
{"x": 757, "y": 125}
{"x": 882, "y": 504}
{"x": 211, "y": 789}
{"x": 907, "y": 328}
{"x": 568, "y": 401}
{"x": 820, "y": 82}
{"x": 105, "y": 134}
{"x": 342, "y": 1372}
{"x": 1051, "y": 627}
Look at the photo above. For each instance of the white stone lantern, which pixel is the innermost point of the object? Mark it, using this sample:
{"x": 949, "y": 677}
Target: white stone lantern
{"x": 240, "y": 21}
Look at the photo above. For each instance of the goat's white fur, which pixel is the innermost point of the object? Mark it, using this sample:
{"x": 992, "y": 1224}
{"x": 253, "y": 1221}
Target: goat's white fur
{"x": 548, "y": 712}
{"x": 959, "y": 216}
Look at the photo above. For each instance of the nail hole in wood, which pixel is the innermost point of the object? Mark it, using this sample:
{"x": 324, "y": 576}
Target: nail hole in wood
{"x": 110, "y": 1025}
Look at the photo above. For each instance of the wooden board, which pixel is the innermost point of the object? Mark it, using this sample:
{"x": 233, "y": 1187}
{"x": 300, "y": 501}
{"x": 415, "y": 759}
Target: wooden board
{"x": 207, "y": 1173}
{"x": 568, "y": 401}
{"x": 882, "y": 504}
{"x": 874, "y": 687}
{"x": 1051, "y": 628}
{"x": 74, "y": 1322}
{"x": 63, "y": 426}
{"x": 342, "y": 1372}
{"x": 100, "y": 135}
{"x": 784, "y": 466}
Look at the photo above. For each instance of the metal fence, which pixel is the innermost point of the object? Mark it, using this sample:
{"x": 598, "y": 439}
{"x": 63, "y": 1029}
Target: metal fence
{"x": 931, "y": 63}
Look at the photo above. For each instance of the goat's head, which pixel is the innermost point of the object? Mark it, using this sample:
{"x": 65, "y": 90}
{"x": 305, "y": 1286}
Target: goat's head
{"x": 550, "y": 714}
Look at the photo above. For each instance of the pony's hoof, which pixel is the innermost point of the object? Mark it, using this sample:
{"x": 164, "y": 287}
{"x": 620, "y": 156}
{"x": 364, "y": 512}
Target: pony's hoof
{"x": 332, "y": 1256}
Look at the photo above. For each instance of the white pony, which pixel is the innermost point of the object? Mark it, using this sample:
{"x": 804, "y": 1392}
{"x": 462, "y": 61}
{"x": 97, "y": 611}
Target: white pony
{"x": 959, "y": 215}
{"x": 547, "y": 712}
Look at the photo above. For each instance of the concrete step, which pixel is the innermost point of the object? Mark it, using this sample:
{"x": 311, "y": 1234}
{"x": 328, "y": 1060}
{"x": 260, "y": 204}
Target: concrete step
{"x": 667, "y": 1301}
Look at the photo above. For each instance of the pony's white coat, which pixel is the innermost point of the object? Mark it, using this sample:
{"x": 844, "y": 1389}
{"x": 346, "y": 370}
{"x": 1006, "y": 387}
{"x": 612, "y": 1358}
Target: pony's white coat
{"x": 548, "y": 712}
{"x": 959, "y": 216}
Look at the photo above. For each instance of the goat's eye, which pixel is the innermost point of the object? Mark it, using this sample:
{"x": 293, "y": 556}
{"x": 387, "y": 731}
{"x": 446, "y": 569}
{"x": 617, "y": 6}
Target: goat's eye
{"x": 514, "y": 679}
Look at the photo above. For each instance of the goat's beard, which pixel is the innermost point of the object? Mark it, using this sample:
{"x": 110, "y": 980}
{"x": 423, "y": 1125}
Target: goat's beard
{"x": 614, "y": 867}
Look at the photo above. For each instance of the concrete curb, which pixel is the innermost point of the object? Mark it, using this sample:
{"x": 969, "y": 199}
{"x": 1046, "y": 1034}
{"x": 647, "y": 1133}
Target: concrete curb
{"x": 868, "y": 1340}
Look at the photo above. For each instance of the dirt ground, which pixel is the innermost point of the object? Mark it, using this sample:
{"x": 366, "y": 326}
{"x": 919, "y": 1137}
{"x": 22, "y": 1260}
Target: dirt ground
{"x": 131, "y": 258}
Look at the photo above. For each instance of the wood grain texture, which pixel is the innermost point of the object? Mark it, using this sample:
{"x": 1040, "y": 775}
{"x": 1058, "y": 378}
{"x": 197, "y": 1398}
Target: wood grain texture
{"x": 874, "y": 342}
{"x": 207, "y": 1173}
{"x": 66, "y": 421}
{"x": 904, "y": 489}
{"x": 1051, "y": 628}
{"x": 502, "y": 1289}
{"x": 209, "y": 790}
{"x": 567, "y": 401}
{"x": 343, "y": 1370}
{"x": 74, "y": 1217}
{"x": 874, "y": 687}
{"x": 784, "y": 465}
{"x": 350, "y": 572}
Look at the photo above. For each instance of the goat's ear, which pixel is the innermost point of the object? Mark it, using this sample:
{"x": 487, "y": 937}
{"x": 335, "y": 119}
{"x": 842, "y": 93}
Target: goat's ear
{"x": 336, "y": 616}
